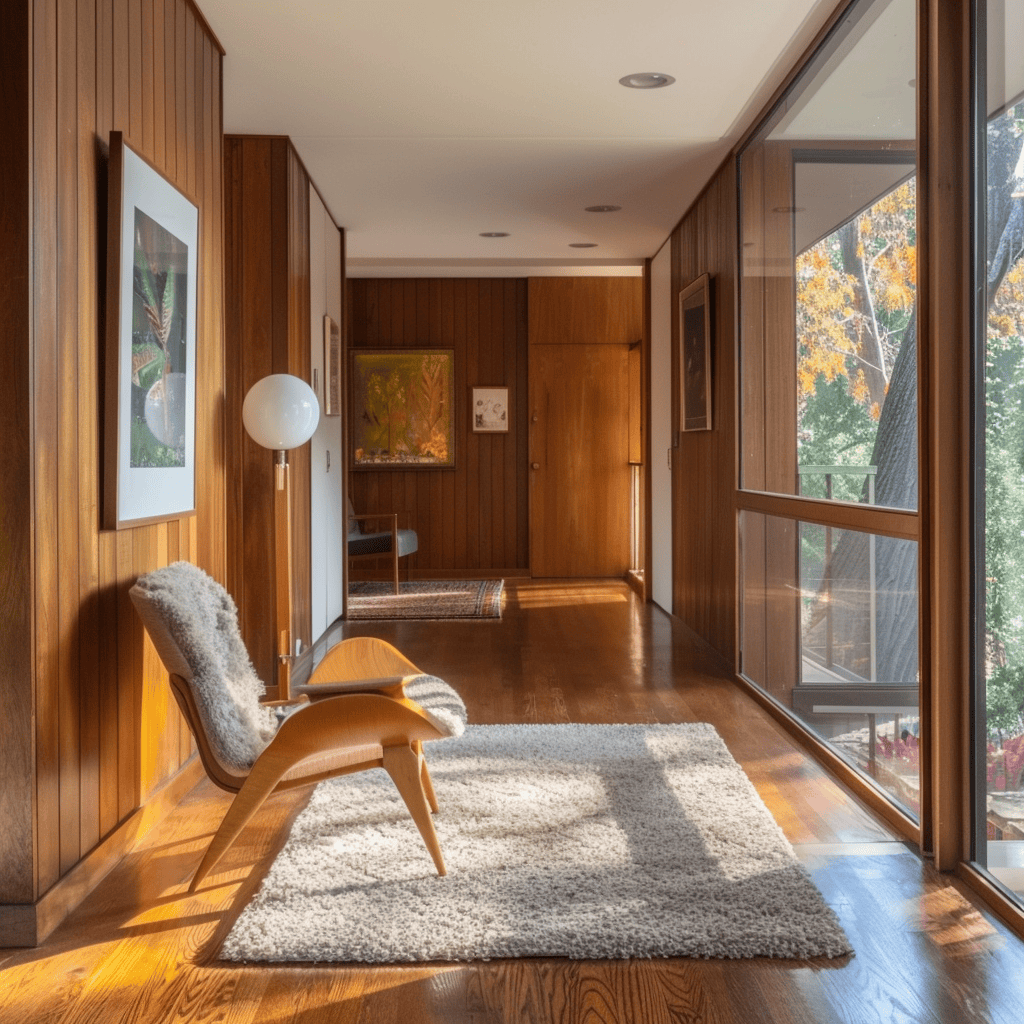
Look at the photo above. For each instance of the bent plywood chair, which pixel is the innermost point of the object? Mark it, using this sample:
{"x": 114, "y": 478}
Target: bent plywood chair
{"x": 365, "y": 706}
{"x": 392, "y": 543}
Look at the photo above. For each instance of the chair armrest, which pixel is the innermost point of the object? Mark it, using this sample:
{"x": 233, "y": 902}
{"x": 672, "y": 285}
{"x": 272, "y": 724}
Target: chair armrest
{"x": 393, "y": 516}
{"x": 363, "y": 659}
{"x": 391, "y": 686}
{"x": 348, "y": 720}
{"x": 297, "y": 699}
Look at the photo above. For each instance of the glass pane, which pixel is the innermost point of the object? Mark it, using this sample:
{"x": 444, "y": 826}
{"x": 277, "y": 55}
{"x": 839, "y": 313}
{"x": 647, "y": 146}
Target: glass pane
{"x": 1001, "y": 697}
{"x": 828, "y": 218}
{"x": 830, "y": 630}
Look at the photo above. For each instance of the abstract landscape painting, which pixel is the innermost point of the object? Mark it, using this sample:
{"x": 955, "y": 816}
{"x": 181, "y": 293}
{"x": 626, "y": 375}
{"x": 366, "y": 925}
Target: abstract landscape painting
{"x": 402, "y": 415}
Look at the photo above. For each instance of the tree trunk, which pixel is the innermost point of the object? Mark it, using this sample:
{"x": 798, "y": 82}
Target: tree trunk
{"x": 849, "y": 570}
{"x": 864, "y": 331}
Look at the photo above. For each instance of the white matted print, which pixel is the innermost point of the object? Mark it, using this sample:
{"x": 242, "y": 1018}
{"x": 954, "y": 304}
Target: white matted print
{"x": 150, "y": 421}
{"x": 490, "y": 410}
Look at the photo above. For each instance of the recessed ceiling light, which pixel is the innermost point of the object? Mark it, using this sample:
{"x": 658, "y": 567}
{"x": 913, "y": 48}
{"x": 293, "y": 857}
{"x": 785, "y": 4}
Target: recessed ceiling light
{"x": 601, "y": 209}
{"x": 646, "y": 80}
{"x": 583, "y": 245}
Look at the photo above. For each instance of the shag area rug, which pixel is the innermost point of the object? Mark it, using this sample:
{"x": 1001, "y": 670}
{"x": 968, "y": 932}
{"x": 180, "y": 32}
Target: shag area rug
{"x": 426, "y": 599}
{"x": 581, "y": 841}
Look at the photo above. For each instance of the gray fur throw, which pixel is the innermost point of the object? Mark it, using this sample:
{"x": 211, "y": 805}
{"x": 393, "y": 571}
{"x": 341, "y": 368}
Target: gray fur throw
{"x": 203, "y": 621}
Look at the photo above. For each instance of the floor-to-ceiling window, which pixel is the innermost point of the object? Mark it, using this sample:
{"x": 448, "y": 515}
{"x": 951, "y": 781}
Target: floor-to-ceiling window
{"x": 999, "y": 445}
{"x": 828, "y": 527}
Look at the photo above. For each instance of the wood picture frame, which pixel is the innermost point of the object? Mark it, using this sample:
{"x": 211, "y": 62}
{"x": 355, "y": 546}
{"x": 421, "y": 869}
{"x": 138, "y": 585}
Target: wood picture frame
{"x": 489, "y": 411}
{"x": 152, "y": 286}
{"x": 401, "y": 413}
{"x": 695, "y": 355}
{"x": 332, "y": 367}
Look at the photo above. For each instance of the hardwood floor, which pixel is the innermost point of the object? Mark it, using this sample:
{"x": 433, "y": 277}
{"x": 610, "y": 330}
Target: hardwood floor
{"x": 141, "y": 949}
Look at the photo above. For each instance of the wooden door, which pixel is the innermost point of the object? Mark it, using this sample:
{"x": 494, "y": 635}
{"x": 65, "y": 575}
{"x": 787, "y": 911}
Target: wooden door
{"x": 579, "y": 471}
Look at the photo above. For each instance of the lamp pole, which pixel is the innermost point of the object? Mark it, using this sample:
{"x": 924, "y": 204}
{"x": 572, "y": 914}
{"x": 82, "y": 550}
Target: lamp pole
{"x": 281, "y": 412}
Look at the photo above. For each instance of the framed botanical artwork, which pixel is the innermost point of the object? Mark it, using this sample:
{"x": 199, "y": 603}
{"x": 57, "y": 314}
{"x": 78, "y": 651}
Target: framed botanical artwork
{"x": 401, "y": 414}
{"x": 695, "y": 355}
{"x": 489, "y": 408}
{"x": 332, "y": 368}
{"x": 152, "y": 280}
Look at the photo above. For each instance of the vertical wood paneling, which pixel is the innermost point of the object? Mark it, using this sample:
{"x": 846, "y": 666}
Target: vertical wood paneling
{"x": 47, "y": 605}
{"x": 267, "y": 289}
{"x": 17, "y": 805}
{"x": 473, "y": 520}
{"x": 106, "y": 735}
{"x": 703, "y": 483}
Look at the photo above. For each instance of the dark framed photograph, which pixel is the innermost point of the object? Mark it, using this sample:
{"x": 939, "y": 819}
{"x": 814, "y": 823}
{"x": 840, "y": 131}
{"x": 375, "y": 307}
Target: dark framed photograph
{"x": 152, "y": 280}
{"x": 695, "y": 355}
{"x": 401, "y": 409}
{"x": 489, "y": 407}
{"x": 332, "y": 368}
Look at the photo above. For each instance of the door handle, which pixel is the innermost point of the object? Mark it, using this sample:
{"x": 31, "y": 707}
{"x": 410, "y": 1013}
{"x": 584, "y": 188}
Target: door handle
{"x": 328, "y": 460}
{"x": 534, "y": 465}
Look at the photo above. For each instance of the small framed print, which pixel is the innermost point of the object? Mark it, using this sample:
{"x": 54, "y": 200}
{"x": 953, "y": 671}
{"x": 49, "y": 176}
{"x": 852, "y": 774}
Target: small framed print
{"x": 490, "y": 410}
{"x": 332, "y": 368}
{"x": 695, "y": 355}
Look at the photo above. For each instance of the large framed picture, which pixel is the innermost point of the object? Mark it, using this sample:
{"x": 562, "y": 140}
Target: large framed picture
{"x": 695, "y": 355}
{"x": 152, "y": 280}
{"x": 489, "y": 408}
{"x": 401, "y": 414}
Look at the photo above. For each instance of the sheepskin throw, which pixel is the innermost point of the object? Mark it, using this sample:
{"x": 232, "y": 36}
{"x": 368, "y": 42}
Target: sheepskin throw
{"x": 203, "y": 622}
{"x": 440, "y": 700}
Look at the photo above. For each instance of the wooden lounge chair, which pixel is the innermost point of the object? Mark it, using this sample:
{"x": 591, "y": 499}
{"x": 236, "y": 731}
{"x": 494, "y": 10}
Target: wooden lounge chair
{"x": 365, "y": 706}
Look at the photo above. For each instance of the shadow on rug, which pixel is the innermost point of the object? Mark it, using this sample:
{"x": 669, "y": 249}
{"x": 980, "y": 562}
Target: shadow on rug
{"x": 426, "y": 599}
{"x": 581, "y": 841}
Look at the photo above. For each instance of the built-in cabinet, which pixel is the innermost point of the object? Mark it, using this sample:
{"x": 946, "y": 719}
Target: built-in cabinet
{"x": 283, "y": 273}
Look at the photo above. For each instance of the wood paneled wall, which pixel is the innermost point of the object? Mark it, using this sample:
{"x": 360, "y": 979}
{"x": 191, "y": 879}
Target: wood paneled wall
{"x": 704, "y": 465}
{"x": 472, "y": 521}
{"x": 267, "y": 326}
{"x": 77, "y": 670}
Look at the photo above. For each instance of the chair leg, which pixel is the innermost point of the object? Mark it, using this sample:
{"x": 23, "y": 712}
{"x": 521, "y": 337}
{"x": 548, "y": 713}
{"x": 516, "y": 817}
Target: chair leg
{"x": 394, "y": 560}
{"x": 257, "y": 787}
{"x": 403, "y": 765}
{"x": 425, "y": 780}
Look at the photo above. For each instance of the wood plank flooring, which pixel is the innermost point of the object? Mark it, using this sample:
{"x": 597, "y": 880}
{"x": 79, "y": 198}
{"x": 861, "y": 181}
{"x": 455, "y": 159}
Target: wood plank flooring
{"x": 141, "y": 949}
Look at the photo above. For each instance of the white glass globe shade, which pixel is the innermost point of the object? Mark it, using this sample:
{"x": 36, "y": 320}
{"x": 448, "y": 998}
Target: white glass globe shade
{"x": 280, "y": 412}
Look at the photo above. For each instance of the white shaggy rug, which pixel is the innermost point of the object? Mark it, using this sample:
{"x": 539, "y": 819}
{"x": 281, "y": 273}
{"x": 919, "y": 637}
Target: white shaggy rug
{"x": 582, "y": 841}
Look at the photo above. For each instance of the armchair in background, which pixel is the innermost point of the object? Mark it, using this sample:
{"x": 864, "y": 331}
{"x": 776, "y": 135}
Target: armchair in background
{"x": 391, "y": 542}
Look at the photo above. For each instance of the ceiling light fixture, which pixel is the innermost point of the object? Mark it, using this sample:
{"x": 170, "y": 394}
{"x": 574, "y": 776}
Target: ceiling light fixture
{"x": 583, "y": 245}
{"x": 601, "y": 209}
{"x": 494, "y": 234}
{"x": 646, "y": 80}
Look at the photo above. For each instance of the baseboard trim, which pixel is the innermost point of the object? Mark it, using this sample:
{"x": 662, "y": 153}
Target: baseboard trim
{"x": 29, "y": 924}
{"x": 444, "y": 574}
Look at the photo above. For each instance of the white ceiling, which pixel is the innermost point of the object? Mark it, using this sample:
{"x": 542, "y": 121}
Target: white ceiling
{"x": 426, "y": 122}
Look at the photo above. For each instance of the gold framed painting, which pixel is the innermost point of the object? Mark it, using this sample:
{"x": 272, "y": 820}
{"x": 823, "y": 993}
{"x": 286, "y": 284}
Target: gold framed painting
{"x": 401, "y": 414}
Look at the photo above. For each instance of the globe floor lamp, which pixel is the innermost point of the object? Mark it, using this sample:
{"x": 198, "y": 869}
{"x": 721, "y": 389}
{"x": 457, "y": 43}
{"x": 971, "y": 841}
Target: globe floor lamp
{"x": 281, "y": 412}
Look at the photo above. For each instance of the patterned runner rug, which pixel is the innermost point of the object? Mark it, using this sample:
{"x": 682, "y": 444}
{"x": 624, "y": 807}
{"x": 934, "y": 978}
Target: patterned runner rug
{"x": 581, "y": 841}
{"x": 426, "y": 599}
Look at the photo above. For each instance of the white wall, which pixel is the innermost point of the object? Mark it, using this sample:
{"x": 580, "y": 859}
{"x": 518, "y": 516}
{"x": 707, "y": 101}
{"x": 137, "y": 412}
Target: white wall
{"x": 660, "y": 585}
{"x": 327, "y": 465}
